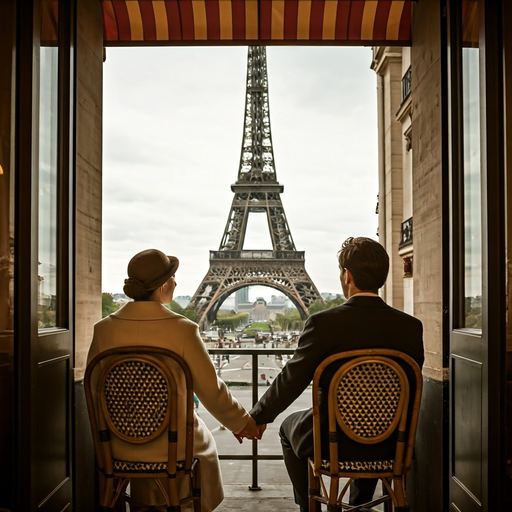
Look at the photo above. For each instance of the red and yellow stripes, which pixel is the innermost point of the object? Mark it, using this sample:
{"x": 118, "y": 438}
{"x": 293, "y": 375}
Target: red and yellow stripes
{"x": 246, "y": 21}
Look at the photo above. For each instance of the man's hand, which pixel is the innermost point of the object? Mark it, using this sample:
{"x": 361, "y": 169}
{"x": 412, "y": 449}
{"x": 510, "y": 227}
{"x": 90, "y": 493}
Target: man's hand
{"x": 261, "y": 429}
{"x": 250, "y": 431}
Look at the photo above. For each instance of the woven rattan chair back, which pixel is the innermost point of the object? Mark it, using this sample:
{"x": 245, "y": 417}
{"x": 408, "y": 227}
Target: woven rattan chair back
{"x": 137, "y": 396}
{"x": 368, "y": 397}
{"x": 368, "y": 400}
{"x": 135, "y": 399}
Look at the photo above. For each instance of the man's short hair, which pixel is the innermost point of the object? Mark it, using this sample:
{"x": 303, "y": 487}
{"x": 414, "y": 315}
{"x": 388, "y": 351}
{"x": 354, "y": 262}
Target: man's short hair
{"x": 367, "y": 261}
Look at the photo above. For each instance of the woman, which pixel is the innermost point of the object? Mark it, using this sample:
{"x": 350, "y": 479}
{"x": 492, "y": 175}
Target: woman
{"x": 146, "y": 321}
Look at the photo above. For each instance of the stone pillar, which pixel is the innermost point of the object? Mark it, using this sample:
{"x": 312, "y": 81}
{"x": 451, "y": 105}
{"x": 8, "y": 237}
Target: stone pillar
{"x": 388, "y": 66}
{"x": 89, "y": 91}
{"x": 88, "y": 146}
{"x": 430, "y": 474}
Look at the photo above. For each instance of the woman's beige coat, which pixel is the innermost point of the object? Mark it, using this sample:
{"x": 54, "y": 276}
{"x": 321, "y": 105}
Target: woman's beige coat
{"x": 150, "y": 323}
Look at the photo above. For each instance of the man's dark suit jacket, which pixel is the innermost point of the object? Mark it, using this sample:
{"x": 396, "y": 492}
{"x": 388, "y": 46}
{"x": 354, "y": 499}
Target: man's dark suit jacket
{"x": 361, "y": 322}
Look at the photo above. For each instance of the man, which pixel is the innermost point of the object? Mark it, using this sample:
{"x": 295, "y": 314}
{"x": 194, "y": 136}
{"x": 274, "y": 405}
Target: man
{"x": 364, "y": 321}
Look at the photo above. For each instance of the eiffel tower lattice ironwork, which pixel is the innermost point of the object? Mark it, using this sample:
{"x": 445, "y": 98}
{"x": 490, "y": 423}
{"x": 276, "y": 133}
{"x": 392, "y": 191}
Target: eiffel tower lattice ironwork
{"x": 256, "y": 190}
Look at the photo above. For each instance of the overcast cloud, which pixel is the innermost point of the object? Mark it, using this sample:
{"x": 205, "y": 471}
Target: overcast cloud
{"x": 173, "y": 120}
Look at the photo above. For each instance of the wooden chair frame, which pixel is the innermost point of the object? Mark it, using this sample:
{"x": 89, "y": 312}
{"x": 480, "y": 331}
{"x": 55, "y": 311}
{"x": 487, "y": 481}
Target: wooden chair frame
{"x": 113, "y": 482}
{"x": 393, "y": 481}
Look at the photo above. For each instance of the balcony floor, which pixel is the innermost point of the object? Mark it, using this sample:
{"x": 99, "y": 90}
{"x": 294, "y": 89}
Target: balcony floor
{"x": 271, "y": 497}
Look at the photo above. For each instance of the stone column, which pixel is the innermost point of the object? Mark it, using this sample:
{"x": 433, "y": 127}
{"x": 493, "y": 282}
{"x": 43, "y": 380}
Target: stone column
{"x": 88, "y": 145}
{"x": 388, "y": 66}
{"x": 89, "y": 91}
{"x": 430, "y": 278}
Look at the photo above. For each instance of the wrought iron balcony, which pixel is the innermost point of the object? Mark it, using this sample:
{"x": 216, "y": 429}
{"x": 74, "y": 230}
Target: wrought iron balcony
{"x": 406, "y": 84}
{"x": 406, "y": 234}
{"x": 275, "y": 489}
{"x": 253, "y": 354}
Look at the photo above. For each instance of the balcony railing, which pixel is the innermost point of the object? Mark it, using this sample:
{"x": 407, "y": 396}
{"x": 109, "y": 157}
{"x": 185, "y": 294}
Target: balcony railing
{"x": 406, "y": 234}
{"x": 254, "y": 353}
{"x": 406, "y": 84}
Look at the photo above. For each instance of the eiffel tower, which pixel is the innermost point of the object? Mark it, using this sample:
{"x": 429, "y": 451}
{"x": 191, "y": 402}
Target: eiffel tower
{"x": 256, "y": 190}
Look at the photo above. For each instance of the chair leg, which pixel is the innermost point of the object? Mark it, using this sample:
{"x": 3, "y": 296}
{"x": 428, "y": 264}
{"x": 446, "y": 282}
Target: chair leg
{"x": 314, "y": 490}
{"x": 388, "y": 505}
{"x": 196, "y": 486}
{"x": 401, "y": 500}
{"x": 107, "y": 495}
{"x": 332, "y": 505}
{"x": 120, "y": 505}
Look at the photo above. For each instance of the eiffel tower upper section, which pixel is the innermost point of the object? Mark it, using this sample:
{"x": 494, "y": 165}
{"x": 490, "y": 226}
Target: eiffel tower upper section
{"x": 257, "y": 189}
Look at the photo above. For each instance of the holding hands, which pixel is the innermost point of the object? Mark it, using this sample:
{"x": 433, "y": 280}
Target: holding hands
{"x": 250, "y": 431}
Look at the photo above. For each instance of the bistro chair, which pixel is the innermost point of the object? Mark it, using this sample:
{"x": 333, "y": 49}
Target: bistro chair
{"x": 374, "y": 396}
{"x": 135, "y": 400}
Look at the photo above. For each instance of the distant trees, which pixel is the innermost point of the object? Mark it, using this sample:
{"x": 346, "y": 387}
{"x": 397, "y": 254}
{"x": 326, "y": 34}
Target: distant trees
{"x": 230, "y": 321}
{"x": 108, "y": 305}
{"x": 191, "y": 314}
{"x": 328, "y": 304}
{"x": 46, "y": 316}
{"x": 289, "y": 321}
{"x": 473, "y": 312}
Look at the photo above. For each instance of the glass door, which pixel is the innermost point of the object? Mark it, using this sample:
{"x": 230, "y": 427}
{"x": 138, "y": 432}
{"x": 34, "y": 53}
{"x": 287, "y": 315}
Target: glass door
{"x": 477, "y": 256}
{"x": 44, "y": 257}
{"x": 466, "y": 358}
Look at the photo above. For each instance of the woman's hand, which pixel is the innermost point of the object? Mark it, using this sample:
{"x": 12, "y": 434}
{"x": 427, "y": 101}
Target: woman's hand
{"x": 250, "y": 431}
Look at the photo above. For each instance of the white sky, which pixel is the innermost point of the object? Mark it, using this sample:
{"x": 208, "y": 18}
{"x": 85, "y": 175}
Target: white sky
{"x": 172, "y": 134}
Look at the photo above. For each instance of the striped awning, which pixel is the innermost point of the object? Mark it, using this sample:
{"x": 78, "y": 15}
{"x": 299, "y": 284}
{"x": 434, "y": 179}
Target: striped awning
{"x": 170, "y": 22}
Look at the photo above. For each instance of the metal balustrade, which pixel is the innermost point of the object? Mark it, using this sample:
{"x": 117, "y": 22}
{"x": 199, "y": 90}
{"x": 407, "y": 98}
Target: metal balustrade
{"x": 254, "y": 353}
{"x": 406, "y": 84}
{"x": 406, "y": 233}
{"x": 257, "y": 255}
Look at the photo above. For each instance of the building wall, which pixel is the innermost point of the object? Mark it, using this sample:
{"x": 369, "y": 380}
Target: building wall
{"x": 408, "y": 295}
{"x": 388, "y": 66}
{"x": 395, "y": 184}
{"x": 89, "y": 90}
{"x": 89, "y": 84}
{"x": 411, "y": 168}
{"x": 429, "y": 279}
{"x": 427, "y": 185}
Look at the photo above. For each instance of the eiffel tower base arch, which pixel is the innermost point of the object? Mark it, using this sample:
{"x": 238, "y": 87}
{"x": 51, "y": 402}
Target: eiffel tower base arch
{"x": 225, "y": 276}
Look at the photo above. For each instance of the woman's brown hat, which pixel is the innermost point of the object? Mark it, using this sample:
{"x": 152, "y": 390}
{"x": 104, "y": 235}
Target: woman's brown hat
{"x": 148, "y": 270}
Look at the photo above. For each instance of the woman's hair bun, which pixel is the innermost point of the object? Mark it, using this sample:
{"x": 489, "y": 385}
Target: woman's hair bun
{"x": 135, "y": 289}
